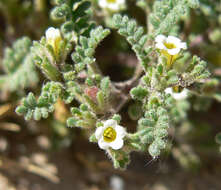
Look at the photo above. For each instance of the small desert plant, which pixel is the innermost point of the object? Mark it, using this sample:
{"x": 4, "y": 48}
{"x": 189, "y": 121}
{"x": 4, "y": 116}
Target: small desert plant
{"x": 166, "y": 75}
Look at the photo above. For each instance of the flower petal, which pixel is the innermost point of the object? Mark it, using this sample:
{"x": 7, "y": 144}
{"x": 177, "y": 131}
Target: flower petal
{"x": 173, "y": 51}
{"x": 99, "y": 132}
{"x": 160, "y": 46}
{"x": 103, "y": 3}
{"x": 117, "y": 144}
{"x": 168, "y": 91}
{"x": 177, "y": 96}
{"x": 114, "y": 6}
{"x": 181, "y": 95}
{"x": 102, "y": 144}
{"x": 160, "y": 38}
{"x": 110, "y": 123}
{"x": 121, "y": 131}
{"x": 121, "y": 1}
{"x": 173, "y": 40}
{"x": 183, "y": 45}
{"x": 49, "y": 32}
{"x": 52, "y": 33}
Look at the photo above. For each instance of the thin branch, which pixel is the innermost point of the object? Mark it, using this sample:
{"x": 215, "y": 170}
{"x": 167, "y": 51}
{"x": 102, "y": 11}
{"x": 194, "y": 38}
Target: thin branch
{"x": 131, "y": 82}
{"x": 123, "y": 88}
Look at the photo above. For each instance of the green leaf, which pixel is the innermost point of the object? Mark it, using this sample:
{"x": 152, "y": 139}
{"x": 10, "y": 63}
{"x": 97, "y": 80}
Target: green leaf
{"x": 117, "y": 117}
{"x": 31, "y": 107}
{"x": 135, "y": 111}
{"x": 138, "y": 93}
{"x": 75, "y": 15}
{"x": 19, "y": 67}
{"x": 134, "y": 35}
{"x": 83, "y": 55}
{"x": 146, "y": 122}
{"x": 167, "y": 13}
{"x": 154, "y": 150}
{"x": 72, "y": 122}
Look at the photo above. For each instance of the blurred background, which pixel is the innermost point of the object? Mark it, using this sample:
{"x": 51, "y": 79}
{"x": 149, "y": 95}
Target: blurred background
{"x": 46, "y": 155}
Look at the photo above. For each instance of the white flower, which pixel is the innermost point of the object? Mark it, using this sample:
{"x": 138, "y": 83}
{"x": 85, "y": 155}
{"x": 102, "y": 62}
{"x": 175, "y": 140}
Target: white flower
{"x": 171, "y": 45}
{"x": 112, "y": 5}
{"x": 110, "y": 135}
{"x": 177, "y": 95}
{"x": 53, "y": 37}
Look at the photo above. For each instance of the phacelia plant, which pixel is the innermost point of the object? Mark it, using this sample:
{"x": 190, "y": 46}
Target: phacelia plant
{"x": 166, "y": 74}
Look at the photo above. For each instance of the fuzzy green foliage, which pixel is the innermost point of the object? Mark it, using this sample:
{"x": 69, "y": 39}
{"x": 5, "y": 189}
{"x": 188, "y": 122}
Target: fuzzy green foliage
{"x": 96, "y": 102}
{"x": 75, "y": 78}
{"x": 120, "y": 158}
{"x": 135, "y": 36}
{"x": 152, "y": 128}
{"x": 166, "y": 13}
{"x": 178, "y": 109}
{"x": 47, "y": 59}
{"x": 82, "y": 117}
{"x": 139, "y": 93}
{"x": 64, "y": 85}
{"x": 135, "y": 111}
{"x": 157, "y": 119}
{"x": 193, "y": 72}
{"x": 40, "y": 108}
{"x": 84, "y": 52}
{"x": 155, "y": 123}
{"x": 19, "y": 68}
{"x": 76, "y": 16}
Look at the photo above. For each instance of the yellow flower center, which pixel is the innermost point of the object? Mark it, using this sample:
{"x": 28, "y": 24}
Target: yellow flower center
{"x": 111, "y": 1}
{"x": 109, "y": 134}
{"x": 177, "y": 89}
{"x": 169, "y": 45}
